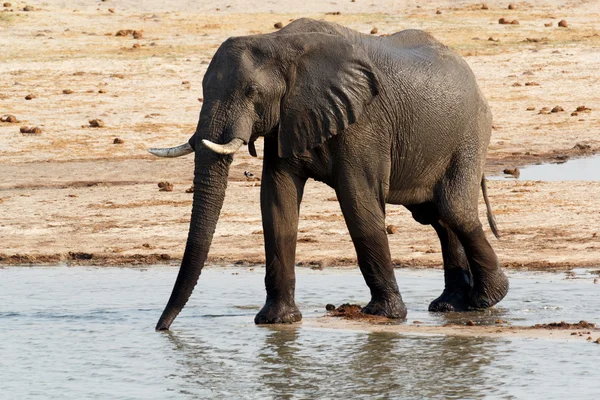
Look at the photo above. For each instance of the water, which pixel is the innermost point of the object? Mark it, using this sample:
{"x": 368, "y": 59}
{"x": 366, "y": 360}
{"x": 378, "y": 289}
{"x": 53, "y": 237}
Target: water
{"x": 88, "y": 333}
{"x": 580, "y": 169}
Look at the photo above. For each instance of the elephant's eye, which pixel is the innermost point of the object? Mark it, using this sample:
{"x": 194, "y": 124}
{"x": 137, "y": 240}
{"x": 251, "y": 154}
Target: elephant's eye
{"x": 251, "y": 90}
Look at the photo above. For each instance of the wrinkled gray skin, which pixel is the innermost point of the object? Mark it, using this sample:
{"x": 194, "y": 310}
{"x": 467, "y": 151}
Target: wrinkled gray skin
{"x": 396, "y": 119}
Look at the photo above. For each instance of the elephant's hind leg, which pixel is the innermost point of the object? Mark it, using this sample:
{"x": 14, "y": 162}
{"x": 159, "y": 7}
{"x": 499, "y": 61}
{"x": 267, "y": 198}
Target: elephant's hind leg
{"x": 458, "y": 210}
{"x": 458, "y": 280}
{"x": 365, "y": 217}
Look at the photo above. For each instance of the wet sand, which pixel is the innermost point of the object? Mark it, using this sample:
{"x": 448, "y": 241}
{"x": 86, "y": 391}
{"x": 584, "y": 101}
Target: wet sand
{"x": 70, "y": 195}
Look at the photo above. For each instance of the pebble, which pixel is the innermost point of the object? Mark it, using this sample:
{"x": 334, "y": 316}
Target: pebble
{"x": 484, "y": 6}
{"x": 470, "y": 323}
{"x": 512, "y": 6}
{"x": 391, "y": 229}
{"x": 513, "y": 171}
{"x": 278, "y": 25}
{"x": 9, "y": 118}
{"x": 548, "y": 24}
{"x": 330, "y": 307}
{"x": 34, "y": 130}
{"x": 96, "y": 123}
{"x": 30, "y": 97}
{"x": 67, "y": 91}
{"x": 557, "y": 109}
{"x": 165, "y": 186}
{"x": 563, "y": 23}
{"x": 190, "y": 189}
{"x": 118, "y": 141}
{"x": 438, "y": 12}
{"x": 374, "y": 31}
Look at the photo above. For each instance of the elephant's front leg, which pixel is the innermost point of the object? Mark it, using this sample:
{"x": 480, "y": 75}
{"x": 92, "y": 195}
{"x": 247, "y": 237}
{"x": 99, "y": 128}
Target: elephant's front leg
{"x": 280, "y": 196}
{"x": 457, "y": 274}
{"x": 363, "y": 206}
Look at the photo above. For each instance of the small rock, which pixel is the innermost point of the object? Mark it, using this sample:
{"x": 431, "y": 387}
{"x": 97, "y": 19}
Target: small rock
{"x": 165, "y": 186}
{"x": 11, "y": 119}
{"x": 512, "y": 6}
{"x": 96, "y": 123}
{"x": 470, "y": 323}
{"x": 391, "y": 229}
{"x": 516, "y": 84}
{"x": 484, "y": 6}
{"x": 135, "y": 46}
{"x": 28, "y": 8}
{"x": 120, "y": 76}
{"x": 101, "y": 91}
{"x": 374, "y": 31}
{"x": 200, "y": 99}
{"x": 67, "y": 91}
{"x": 503, "y": 21}
{"x": 583, "y": 108}
{"x": 499, "y": 321}
{"x": 190, "y": 189}
{"x": 557, "y": 109}
{"x": 7, "y": 4}
{"x": 330, "y": 307}
{"x": 138, "y": 34}
{"x": 111, "y": 10}
{"x": 530, "y": 108}
{"x": 563, "y": 23}
{"x": 513, "y": 171}
{"x": 34, "y": 130}
{"x": 333, "y": 13}
{"x": 278, "y": 25}
{"x": 514, "y": 22}
{"x": 30, "y": 96}
{"x": 118, "y": 141}
{"x": 438, "y": 12}
{"x": 493, "y": 39}
{"x": 597, "y": 341}
{"x": 574, "y": 114}
{"x": 532, "y": 84}
{"x": 185, "y": 82}
{"x": 548, "y": 24}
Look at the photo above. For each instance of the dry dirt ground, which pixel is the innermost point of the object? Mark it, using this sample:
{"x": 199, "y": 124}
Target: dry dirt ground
{"x": 70, "y": 193}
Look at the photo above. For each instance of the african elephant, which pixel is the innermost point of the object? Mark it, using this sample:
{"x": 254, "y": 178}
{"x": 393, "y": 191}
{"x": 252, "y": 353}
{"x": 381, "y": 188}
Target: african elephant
{"x": 396, "y": 119}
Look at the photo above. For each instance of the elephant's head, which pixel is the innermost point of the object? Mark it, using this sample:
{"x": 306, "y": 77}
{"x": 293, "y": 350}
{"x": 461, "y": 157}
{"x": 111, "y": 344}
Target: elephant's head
{"x": 301, "y": 88}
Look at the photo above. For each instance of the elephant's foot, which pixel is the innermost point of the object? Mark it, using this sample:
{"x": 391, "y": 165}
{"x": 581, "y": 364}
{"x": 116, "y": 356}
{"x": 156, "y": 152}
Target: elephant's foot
{"x": 274, "y": 312}
{"x": 489, "y": 290}
{"x": 390, "y": 307}
{"x": 451, "y": 300}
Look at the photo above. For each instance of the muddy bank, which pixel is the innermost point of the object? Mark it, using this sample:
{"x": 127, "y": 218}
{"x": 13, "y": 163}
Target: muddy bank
{"x": 91, "y": 188}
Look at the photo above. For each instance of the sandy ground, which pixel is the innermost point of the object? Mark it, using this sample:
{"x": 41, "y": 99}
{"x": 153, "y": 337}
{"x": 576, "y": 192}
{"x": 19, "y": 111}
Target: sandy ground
{"x": 70, "y": 190}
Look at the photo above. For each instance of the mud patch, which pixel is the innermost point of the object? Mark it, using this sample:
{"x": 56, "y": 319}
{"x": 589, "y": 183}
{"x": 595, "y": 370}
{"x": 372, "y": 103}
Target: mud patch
{"x": 352, "y": 312}
{"x": 565, "y": 325}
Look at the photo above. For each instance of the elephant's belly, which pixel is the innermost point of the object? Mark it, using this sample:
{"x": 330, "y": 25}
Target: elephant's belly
{"x": 408, "y": 196}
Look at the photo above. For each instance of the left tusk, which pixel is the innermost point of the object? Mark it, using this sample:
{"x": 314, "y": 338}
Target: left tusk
{"x": 224, "y": 149}
{"x": 177, "y": 151}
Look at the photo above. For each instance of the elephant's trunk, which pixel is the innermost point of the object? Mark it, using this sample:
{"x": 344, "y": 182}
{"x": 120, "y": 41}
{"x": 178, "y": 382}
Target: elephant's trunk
{"x": 210, "y": 182}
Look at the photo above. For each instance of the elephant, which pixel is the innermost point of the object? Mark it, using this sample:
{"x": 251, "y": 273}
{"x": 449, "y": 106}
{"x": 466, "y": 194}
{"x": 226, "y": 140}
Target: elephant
{"x": 395, "y": 119}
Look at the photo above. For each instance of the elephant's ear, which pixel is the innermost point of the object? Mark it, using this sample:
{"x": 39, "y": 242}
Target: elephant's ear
{"x": 329, "y": 84}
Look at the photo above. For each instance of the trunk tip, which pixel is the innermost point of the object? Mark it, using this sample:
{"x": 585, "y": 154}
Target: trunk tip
{"x": 163, "y": 325}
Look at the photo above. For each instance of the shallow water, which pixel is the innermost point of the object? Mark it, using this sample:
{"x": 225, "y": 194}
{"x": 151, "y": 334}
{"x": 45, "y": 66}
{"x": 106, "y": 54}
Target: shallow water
{"x": 580, "y": 169}
{"x": 86, "y": 333}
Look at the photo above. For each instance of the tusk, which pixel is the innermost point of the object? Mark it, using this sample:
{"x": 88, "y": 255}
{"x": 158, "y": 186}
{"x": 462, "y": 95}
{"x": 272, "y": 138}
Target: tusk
{"x": 224, "y": 149}
{"x": 177, "y": 151}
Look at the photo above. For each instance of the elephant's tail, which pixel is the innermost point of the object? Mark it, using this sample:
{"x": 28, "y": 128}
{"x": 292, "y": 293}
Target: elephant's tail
{"x": 490, "y": 214}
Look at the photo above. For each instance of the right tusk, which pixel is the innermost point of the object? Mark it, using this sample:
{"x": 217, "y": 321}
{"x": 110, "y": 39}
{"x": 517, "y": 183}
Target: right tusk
{"x": 224, "y": 149}
{"x": 177, "y": 151}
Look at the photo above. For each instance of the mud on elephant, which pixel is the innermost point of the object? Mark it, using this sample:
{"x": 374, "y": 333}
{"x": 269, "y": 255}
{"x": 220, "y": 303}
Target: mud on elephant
{"x": 396, "y": 119}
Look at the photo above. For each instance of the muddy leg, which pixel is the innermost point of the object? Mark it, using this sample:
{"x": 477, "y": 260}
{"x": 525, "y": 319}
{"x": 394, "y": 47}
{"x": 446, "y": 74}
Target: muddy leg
{"x": 365, "y": 218}
{"x": 281, "y": 193}
{"x": 457, "y": 275}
